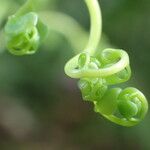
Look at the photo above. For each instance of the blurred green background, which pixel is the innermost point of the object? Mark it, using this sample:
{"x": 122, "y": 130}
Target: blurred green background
{"x": 42, "y": 109}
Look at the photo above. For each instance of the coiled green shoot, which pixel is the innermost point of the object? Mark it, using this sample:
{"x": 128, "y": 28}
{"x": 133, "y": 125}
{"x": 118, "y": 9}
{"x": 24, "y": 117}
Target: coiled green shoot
{"x": 97, "y": 73}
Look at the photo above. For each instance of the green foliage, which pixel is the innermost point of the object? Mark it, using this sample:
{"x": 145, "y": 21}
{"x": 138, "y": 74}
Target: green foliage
{"x": 24, "y": 32}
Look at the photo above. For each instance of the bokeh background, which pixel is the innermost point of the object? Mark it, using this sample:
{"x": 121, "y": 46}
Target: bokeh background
{"x": 42, "y": 109}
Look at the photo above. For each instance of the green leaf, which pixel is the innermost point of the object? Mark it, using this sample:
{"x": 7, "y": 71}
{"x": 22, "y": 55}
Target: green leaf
{"x": 108, "y": 104}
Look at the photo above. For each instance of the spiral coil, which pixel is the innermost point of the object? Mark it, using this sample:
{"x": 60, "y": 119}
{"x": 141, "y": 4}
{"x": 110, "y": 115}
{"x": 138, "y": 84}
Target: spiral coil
{"x": 124, "y": 107}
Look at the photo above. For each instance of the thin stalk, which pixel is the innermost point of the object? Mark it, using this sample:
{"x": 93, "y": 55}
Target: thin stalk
{"x": 66, "y": 26}
{"x": 96, "y": 25}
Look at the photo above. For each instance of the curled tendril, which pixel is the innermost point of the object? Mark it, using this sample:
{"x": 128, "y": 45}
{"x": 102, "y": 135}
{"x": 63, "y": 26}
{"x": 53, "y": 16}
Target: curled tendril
{"x": 24, "y": 32}
{"x": 124, "y": 107}
{"x": 121, "y": 62}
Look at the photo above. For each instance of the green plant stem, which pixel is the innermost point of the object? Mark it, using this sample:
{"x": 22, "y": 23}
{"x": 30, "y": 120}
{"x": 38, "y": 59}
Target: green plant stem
{"x": 69, "y": 24}
{"x": 66, "y": 26}
{"x": 95, "y": 33}
{"x": 96, "y": 26}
